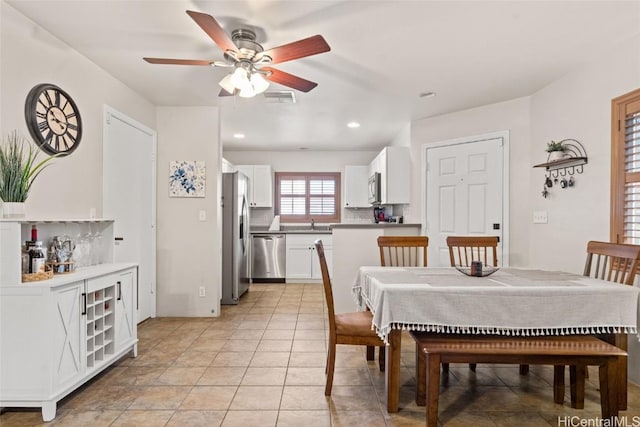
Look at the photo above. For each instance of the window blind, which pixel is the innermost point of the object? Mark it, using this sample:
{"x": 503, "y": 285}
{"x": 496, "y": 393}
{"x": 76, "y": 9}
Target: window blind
{"x": 631, "y": 220}
{"x": 307, "y": 196}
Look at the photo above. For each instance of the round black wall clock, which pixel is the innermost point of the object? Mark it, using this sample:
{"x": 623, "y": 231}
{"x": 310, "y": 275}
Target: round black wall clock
{"x": 53, "y": 119}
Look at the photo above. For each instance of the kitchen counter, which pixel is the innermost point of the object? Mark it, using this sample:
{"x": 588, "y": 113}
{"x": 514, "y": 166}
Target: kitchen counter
{"x": 323, "y": 229}
{"x": 375, "y": 225}
{"x": 355, "y": 245}
{"x": 265, "y": 230}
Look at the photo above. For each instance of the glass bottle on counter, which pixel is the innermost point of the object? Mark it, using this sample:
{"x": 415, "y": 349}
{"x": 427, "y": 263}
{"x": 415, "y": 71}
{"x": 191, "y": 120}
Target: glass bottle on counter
{"x": 36, "y": 257}
{"x": 26, "y": 260}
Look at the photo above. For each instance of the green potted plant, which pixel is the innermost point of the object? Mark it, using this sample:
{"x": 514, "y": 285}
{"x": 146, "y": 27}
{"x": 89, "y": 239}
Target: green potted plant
{"x": 19, "y": 167}
{"x": 555, "y": 150}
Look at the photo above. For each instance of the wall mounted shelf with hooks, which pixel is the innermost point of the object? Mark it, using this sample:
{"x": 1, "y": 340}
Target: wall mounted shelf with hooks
{"x": 576, "y": 158}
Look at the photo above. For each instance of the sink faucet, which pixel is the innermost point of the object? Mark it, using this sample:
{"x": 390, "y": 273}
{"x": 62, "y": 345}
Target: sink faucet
{"x": 313, "y": 224}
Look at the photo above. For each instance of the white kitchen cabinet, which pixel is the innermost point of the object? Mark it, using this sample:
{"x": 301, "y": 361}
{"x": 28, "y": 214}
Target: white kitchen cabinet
{"x": 126, "y": 322}
{"x": 355, "y": 187}
{"x": 56, "y": 334}
{"x": 393, "y": 164}
{"x": 302, "y": 262}
{"x": 227, "y": 166}
{"x": 260, "y": 185}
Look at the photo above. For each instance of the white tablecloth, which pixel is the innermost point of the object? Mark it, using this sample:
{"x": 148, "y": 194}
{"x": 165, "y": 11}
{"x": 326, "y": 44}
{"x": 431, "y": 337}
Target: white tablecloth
{"x": 510, "y": 302}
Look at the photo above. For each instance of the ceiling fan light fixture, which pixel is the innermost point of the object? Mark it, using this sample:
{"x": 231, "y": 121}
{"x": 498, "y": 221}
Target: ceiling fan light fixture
{"x": 260, "y": 84}
{"x": 240, "y": 79}
{"x": 226, "y": 84}
{"x": 247, "y": 92}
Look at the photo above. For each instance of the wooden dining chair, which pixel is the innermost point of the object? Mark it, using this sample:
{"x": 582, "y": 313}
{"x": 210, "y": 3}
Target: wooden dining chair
{"x": 400, "y": 251}
{"x": 465, "y": 249}
{"x": 403, "y": 251}
{"x": 617, "y": 263}
{"x": 344, "y": 328}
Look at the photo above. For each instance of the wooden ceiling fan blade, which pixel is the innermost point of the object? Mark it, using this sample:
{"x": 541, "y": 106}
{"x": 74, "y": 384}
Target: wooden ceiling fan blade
{"x": 299, "y": 49}
{"x": 288, "y": 80}
{"x": 214, "y": 30}
{"x": 177, "y": 61}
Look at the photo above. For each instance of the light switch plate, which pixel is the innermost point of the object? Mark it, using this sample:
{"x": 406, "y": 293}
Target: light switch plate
{"x": 540, "y": 217}
{"x": 202, "y": 215}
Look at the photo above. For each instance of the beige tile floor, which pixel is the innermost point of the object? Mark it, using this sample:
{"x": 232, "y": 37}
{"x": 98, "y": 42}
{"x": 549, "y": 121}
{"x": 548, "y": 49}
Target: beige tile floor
{"x": 261, "y": 363}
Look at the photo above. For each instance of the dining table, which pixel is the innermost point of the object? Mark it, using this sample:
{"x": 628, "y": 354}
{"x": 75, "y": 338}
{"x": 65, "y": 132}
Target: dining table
{"x": 511, "y": 301}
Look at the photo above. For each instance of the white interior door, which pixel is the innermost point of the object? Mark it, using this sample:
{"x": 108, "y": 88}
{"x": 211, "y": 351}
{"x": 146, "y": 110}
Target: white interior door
{"x": 129, "y": 197}
{"x": 465, "y": 194}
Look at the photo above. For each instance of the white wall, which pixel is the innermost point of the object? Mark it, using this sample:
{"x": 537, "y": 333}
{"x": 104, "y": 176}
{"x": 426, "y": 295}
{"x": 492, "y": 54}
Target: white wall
{"x": 30, "y": 56}
{"x": 303, "y": 161}
{"x": 512, "y": 116}
{"x": 73, "y": 185}
{"x": 578, "y": 106}
{"x": 188, "y": 249}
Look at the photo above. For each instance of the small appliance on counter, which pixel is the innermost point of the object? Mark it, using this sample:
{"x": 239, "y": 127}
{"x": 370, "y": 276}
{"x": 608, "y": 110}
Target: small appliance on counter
{"x": 61, "y": 255}
{"x": 383, "y": 214}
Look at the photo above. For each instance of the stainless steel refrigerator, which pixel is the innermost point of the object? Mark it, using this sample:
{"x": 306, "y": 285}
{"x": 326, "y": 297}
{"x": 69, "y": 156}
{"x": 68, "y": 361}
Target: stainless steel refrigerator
{"x": 236, "y": 242}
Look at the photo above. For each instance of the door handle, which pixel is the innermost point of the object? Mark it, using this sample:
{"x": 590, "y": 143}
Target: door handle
{"x": 84, "y": 310}
{"x": 119, "y": 290}
{"x": 118, "y": 239}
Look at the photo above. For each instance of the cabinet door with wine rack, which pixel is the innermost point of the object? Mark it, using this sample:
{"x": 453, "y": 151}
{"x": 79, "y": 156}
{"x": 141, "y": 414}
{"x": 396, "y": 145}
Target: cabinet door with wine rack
{"x": 100, "y": 321}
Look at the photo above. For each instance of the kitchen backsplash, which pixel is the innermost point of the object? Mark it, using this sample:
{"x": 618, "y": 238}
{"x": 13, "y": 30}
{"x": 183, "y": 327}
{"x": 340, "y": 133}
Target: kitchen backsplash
{"x": 262, "y": 217}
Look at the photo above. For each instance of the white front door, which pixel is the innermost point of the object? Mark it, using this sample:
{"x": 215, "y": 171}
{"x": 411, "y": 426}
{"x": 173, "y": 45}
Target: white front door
{"x": 465, "y": 193}
{"x": 129, "y": 197}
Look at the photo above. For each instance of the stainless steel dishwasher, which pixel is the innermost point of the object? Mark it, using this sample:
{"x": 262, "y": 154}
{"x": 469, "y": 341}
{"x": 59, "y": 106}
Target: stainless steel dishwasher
{"x": 268, "y": 252}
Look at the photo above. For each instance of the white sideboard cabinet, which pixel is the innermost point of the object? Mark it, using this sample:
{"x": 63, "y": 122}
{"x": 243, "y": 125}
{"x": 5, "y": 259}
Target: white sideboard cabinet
{"x": 56, "y": 334}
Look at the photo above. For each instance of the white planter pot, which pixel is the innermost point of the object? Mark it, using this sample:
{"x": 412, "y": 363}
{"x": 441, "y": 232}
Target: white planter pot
{"x": 556, "y": 155}
{"x": 13, "y": 210}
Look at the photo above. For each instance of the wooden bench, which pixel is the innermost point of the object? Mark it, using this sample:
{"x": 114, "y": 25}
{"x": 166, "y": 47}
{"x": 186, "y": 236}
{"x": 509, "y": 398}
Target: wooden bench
{"x": 578, "y": 351}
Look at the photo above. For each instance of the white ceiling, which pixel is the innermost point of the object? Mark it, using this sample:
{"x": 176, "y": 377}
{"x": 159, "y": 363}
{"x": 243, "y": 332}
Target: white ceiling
{"x": 383, "y": 54}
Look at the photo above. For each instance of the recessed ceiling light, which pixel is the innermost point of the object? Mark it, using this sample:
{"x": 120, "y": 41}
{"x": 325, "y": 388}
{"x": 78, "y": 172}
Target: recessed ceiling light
{"x": 238, "y": 135}
{"x": 353, "y": 125}
{"x": 427, "y": 94}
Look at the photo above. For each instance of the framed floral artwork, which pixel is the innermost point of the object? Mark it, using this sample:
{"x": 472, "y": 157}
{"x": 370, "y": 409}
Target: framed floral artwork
{"x": 186, "y": 178}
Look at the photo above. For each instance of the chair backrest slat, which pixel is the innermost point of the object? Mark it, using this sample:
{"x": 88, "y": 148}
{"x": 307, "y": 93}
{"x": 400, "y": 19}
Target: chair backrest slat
{"x": 326, "y": 282}
{"x": 403, "y": 251}
{"x": 465, "y": 249}
{"x": 614, "y": 262}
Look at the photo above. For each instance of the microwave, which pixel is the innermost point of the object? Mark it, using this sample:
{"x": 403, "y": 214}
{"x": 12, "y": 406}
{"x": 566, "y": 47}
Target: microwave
{"x": 374, "y": 188}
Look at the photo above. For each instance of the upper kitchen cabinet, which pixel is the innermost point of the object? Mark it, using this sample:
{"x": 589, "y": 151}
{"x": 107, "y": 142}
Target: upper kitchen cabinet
{"x": 227, "y": 166}
{"x": 355, "y": 187}
{"x": 393, "y": 164}
{"x": 260, "y": 185}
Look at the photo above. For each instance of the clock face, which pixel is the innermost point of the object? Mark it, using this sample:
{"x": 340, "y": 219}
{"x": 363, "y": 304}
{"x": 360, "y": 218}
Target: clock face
{"x": 53, "y": 119}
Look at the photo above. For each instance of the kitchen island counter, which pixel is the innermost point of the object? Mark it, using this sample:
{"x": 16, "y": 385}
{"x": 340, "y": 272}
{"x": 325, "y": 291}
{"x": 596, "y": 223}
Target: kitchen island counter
{"x": 355, "y": 245}
{"x": 375, "y": 225}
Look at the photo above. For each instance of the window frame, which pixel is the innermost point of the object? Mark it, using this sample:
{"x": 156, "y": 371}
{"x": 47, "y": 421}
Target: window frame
{"x": 619, "y": 177}
{"x": 307, "y": 176}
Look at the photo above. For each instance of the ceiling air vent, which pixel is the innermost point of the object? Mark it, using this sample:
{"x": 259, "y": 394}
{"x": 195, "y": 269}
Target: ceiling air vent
{"x": 280, "y": 97}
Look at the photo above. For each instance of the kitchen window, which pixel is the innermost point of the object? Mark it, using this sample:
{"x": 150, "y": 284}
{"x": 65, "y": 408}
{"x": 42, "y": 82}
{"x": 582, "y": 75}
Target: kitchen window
{"x": 625, "y": 168}
{"x": 305, "y": 196}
